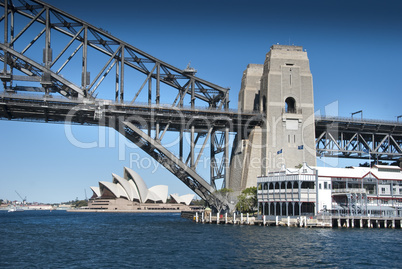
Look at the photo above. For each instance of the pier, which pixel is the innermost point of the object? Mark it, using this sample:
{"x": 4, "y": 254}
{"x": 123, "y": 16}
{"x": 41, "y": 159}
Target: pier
{"x": 321, "y": 221}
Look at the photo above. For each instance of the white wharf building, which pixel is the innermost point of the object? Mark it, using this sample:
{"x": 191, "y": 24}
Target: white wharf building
{"x": 355, "y": 191}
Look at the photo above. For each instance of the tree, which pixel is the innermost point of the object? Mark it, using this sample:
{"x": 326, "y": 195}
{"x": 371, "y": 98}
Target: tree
{"x": 220, "y": 196}
{"x": 199, "y": 202}
{"x": 247, "y": 200}
{"x": 80, "y": 203}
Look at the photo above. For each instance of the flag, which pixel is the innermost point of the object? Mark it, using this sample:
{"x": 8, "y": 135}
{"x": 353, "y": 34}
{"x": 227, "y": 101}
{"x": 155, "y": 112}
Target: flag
{"x": 279, "y": 151}
{"x": 300, "y": 147}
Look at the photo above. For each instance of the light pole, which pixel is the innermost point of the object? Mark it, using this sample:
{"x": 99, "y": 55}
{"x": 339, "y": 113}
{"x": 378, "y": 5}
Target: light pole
{"x": 357, "y": 112}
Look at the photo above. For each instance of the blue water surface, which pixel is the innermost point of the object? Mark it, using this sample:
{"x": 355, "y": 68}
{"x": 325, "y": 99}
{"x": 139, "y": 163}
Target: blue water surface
{"x": 60, "y": 239}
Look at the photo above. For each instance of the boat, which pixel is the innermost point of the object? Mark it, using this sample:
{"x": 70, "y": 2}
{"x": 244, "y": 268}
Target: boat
{"x": 14, "y": 209}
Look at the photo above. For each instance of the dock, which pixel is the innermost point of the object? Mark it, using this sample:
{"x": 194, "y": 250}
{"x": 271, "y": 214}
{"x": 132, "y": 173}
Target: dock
{"x": 326, "y": 221}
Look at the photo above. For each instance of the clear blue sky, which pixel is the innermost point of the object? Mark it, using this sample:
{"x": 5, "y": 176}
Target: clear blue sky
{"x": 355, "y": 56}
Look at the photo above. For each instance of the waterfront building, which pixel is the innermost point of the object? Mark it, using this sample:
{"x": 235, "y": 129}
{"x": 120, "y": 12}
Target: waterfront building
{"x": 352, "y": 191}
{"x": 130, "y": 192}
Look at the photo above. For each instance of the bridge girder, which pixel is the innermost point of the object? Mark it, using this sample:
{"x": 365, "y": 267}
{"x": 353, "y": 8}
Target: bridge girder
{"x": 84, "y": 37}
{"x": 359, "y": 139}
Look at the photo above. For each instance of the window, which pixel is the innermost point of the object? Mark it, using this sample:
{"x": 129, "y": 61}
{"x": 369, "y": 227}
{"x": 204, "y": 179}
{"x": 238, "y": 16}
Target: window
{"x": 290, "y": 105}
{"x": 325, "y": 185}
{"x": 382, "y": 190}
{"x": 319, "y": 186}
{"x": 329, "y": 186}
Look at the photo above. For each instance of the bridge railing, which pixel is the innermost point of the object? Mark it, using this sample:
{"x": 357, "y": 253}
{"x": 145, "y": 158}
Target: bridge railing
{"x": 347, "y": 119}
{"x": 59, "y": 98}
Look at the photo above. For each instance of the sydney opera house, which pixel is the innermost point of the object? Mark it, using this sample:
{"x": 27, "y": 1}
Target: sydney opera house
{"x": 130, "y": 193}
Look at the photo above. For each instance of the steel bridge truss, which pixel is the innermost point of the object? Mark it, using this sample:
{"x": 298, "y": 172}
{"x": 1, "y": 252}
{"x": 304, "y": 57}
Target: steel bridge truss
{"x": 362, "y": 139}
{"x": 28, "y": 23}
{"x": 81, "y": 38}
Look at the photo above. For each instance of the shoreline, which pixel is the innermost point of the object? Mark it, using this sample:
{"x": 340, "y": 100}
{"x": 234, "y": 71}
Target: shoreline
{"x": 123, "y": 211}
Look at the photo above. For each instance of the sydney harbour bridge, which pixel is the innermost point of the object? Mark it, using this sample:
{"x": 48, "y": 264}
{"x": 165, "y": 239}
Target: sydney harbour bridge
{"x": 60, "y": 69}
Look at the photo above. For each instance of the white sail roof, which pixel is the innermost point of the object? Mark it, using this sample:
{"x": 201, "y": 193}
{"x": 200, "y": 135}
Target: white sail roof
{"x": 96, "y": 191}
{"x": 184, "y": 199}
{"x": 128, "y": 186}
{"x": 142, "y": 188}
{"x": 116, "y": 189}
{"x": 160, "y": 191}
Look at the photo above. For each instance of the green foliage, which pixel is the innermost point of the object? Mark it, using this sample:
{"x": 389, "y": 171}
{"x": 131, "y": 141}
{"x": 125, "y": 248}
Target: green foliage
{"x": 220, "y": 195}
{"x": 247, "y": 200}
{"x": 79, "y": 203}
{"x": 199, "y": 202}
{"x": 225, "y": 191}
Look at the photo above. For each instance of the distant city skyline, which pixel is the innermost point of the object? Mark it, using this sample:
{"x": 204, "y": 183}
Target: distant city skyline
{"x": 353, "y": 48}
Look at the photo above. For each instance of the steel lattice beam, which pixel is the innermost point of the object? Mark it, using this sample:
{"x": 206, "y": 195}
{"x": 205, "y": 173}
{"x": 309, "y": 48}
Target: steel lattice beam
{"x": 84, "y": 36}
{"x": 362, "y": 139}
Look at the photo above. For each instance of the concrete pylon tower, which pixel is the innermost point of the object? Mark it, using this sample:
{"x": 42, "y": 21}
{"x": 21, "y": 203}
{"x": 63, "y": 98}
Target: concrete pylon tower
{"x": 282, "y": 88}
{"x": 287, "y": 99}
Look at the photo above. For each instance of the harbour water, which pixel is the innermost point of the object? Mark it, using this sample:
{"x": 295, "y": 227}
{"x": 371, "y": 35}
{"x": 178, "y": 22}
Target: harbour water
{"x": 60, "y": 239}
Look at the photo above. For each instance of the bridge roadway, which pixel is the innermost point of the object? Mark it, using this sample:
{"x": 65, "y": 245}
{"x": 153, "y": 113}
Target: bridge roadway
{"x": 91, "y": 112}
{"x": 335, "y": 137}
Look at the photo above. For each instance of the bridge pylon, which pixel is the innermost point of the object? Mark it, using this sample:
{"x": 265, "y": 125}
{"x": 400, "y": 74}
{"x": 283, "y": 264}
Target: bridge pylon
{"x": 282, "y": 90}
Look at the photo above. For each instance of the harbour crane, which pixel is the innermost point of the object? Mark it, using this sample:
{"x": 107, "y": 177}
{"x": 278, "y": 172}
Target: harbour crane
{"x": 23, "y": 199}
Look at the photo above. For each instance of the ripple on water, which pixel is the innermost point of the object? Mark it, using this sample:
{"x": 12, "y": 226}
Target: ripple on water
{"x": 60, "y": 239}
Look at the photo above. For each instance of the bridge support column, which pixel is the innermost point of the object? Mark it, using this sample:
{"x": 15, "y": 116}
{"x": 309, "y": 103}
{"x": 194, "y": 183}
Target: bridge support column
{"x": 192, "y": 145}
{"x": 226, "y": 159}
